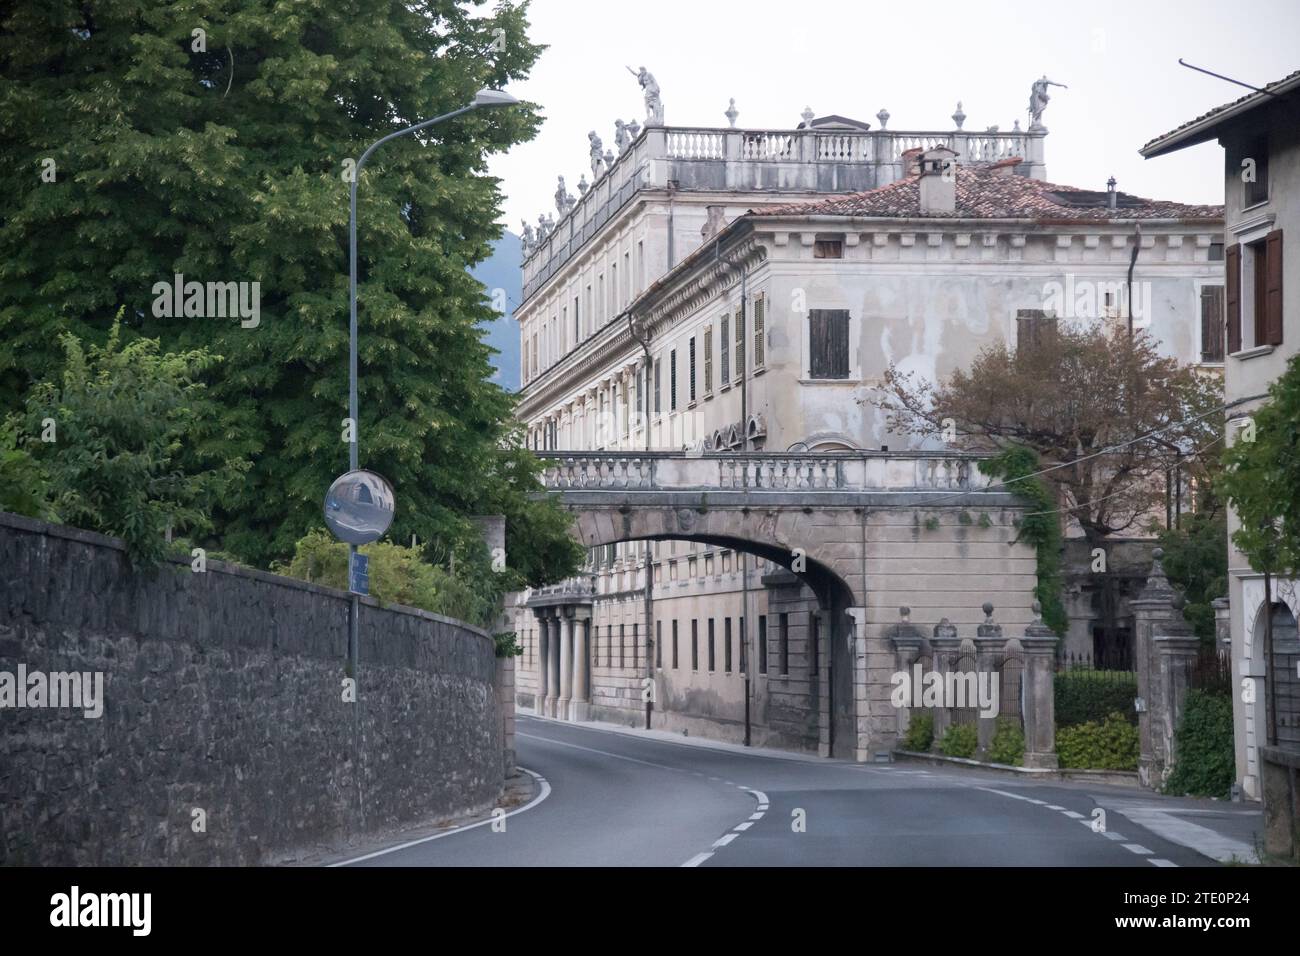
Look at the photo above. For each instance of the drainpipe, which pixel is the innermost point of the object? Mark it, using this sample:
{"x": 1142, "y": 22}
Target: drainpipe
{"x": 644, "y": 342}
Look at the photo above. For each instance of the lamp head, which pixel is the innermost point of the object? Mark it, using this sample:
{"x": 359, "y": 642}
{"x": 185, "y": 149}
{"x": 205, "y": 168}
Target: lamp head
{"x": 486, "y": 97}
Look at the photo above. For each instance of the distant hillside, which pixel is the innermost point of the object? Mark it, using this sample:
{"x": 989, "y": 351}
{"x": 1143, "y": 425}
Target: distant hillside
{"x": 501, "y": 271}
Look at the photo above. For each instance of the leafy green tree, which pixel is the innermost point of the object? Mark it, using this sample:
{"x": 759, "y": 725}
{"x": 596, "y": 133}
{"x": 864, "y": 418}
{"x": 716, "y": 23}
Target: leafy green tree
{"x": 1261, "y": 479}
{"x": 1196, "y": 561}
{"x": 144, "y": 141}
{"x": 24, "y": 487}
{"x": 116, "y": 436}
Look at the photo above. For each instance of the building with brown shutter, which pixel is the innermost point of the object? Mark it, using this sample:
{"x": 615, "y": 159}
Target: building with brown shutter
{"x": 1260, "y": 134}
{"x": 769, "y": 326}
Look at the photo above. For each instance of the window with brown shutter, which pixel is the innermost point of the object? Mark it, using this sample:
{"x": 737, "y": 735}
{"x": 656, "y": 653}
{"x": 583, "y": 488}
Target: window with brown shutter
{"x": 1232, "y": 296}
{"x": 740, "y": 342}
{"x": 1272, "y": 289}
{"x": 708, "y": 360}
{"x": 724, "y": 343}
{"x": 1212, "y": 323}
{"x": 692, "y": 363}
{"x": 758, "y": 331}
{"x": 1035, "y": 328}
{"x": 828, "y": 343}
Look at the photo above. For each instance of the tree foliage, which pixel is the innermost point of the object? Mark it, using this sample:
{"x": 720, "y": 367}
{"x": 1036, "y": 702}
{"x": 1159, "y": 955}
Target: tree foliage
{"x": 117, "y": 435}
{"x": 139, "y": 148}
{"x": 1261, "y": 478}
{"x": 1067, "y": 397}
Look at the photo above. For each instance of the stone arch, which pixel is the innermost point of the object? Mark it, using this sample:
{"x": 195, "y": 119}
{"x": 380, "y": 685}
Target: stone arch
{"x": 830, "y": 570}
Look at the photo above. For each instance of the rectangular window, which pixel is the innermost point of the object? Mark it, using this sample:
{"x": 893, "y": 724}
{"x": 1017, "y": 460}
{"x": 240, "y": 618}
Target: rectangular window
{"x": 708, "y": 360}
{"x": 695, "y": 645}
{"x": 742, "y": 641}
{"x": 712, "y": 648}
{"x": 636, "y": 649}
{"x": 1216, "y": 252}
{"x": 1035, "y": 328}
{"x": 564, "y": 327}
{"x": 627, "y": 278}
{"x": 740, "y": 343}
{"x": 601, "y": 304}
{"x": 640, "y": 265}
{"x": 658, "y": 391}
{"x": 759, "y": 350}
{"x": 828, "y": 343}
{"x": 577, "y": 323}
{"x": 692, "y": 370}
{"x": 588, "y": 311}
{"x": 828, "y": 249}
{"x": 622, "y": 646}
{"x": 1273, "y": 288}
{"x": 672, "y": 380}
{"x": 814, "y": 647}
{"x": 613, "y": 289}
{"x": 762, "y": 643}
{"x": 724, "y": 343}
{"x": 726, "y": 644}
{"x": 659, "y": 645}
{"x": 627, "y": 408}
{"x": 1212, "y": 323}
{"x": 783, "y": 642}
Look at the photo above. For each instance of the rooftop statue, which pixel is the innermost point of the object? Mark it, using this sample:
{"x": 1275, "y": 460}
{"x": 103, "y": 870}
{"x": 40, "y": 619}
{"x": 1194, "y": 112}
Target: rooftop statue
{"x": 527, "y": 236}
{"x": 622, "y": 136}
{"x": 1038, "y": 100}
{"x": 654, "y": 107}
{"x": 596, "y": 148}
{"x": 564, "y": 201}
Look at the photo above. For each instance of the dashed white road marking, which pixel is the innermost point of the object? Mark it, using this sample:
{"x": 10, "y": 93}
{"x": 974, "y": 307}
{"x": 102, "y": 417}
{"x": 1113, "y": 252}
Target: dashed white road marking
{"x": 745, "y": 826}
{"x": 756, "y": 816}
{"x": 1137, "y": 848}
{"x": 1052, "y": 806}
{"x": 723, "y": 841}
{"x": 1156, "y": 861}
{"x": 697, "y": 859}
{"x": 1075, "y": 816}
{"x": 1114, "y": 835}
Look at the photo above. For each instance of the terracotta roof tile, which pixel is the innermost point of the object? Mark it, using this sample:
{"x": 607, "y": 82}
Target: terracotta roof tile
{"x": 988, "y": 191}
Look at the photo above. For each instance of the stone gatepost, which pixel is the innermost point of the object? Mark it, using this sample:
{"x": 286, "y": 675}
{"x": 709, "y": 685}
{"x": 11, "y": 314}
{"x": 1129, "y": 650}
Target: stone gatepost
{"x": 1222, "y": 624}
{"x": 1039, "y": 689}
{"x": 989, "y": 644}
{"x": 945, "y": 646}
{"x": 909, "y": 644}
{"x": 506, "y": 695}
{"x": 1175, "y": 650}
{"x": 1151, "y": 609}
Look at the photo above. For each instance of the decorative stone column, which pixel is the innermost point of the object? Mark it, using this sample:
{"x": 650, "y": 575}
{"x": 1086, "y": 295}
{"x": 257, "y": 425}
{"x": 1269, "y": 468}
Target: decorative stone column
{"x": 856, "y": 619}
{"x": 909, "y": 644}
{"x": 543, "y": 663}
{"x": 945, "y": 646}
{"x": 553, "y": 665}
{"x": 1151, "y": 609}
{"x": 1176, "y": 648}
{"x": 581, "y": 628}
{"x": 989, "y": 643}
{"x": 566, "y": 665}
{"x": 1039, "y": 690}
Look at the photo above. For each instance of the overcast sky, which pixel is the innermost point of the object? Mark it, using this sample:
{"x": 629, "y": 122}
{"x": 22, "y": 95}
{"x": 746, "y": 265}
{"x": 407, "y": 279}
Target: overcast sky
{"x": 1119, "y": 59}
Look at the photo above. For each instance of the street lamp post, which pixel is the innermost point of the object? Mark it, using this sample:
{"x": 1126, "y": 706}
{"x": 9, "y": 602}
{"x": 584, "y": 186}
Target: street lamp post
{"x": 484, "y": 97}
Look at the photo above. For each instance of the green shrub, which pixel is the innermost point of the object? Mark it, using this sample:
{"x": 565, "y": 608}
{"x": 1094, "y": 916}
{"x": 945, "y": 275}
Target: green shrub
{"x": 24, "y": 487}
{"x": 1089, "y": 696}
{"x": 1008, "y": 744}
{"x": 507, "y": 644}
{"x": 920, "y": 733}
{"x": 1205, "y": 765}
{"x": 1111, "y": 744}
{"x": 960, "y": 740}
{"x": 398, "y": 575}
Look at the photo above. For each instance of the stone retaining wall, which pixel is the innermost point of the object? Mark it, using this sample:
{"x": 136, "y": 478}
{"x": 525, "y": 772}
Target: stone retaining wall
{"x": 225, "y": 737}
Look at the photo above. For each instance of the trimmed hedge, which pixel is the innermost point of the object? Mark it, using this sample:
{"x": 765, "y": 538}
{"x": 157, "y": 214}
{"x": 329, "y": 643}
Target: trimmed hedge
{"x": 1111, "y": 744}
{"x": 1204, "y": 763}
{"x": 960, "y": 740}
{"x": 920, "y": 733}
{"x": 1091, "y": 696}
{"x": 1008, "y": 745}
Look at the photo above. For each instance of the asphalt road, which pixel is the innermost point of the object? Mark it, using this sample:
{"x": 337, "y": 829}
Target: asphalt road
{"x": 615, "y": 799}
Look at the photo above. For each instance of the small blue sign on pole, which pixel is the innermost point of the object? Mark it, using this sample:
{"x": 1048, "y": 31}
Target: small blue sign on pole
{"x": 359, "y": 578}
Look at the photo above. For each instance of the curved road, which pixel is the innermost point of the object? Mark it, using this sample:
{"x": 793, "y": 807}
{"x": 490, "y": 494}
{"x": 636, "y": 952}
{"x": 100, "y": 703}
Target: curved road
{"x": 618, "y": 799}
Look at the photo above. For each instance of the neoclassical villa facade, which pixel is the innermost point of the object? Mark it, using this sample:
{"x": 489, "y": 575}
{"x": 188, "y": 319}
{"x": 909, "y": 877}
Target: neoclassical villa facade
{"x": 751, "y": 288}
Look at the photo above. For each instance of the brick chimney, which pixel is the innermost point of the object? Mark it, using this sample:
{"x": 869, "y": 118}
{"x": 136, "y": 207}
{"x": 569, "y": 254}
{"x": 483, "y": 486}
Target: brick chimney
{"x": 938, "y": 183}
{"x": 911, "y": 161}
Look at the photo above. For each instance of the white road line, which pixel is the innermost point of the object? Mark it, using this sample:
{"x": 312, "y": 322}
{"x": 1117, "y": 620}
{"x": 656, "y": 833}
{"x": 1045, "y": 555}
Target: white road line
{"x": 759, "y": 795}
{"x": 1156, "y": 861}
{"x": 1052, "y": 806}
{"x": 745, "y": 826}
{"x": 1074, "y": 816}
{"x": 603, "y": 753}
{"x": 723, "y": 841}
{"x": 1041, "y": 803}
{"x": 1113, "y": 835}
{"x": 545, "y": 792}
{"x": 756, "y": 816}
{"x": 1137, "y": 848}
{"x": 697, "y": 859}
{"x": 1163, "y": 822}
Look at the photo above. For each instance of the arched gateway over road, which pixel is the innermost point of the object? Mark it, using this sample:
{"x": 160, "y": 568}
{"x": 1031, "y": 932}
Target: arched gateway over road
{"x": 867, "y": 532}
